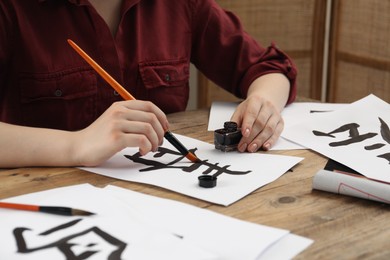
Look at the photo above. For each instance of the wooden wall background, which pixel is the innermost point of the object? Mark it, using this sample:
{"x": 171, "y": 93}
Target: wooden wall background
{"x": 296, "y": 26}
{"x": 357, "y": 56}
{"x": 360, "y": 50}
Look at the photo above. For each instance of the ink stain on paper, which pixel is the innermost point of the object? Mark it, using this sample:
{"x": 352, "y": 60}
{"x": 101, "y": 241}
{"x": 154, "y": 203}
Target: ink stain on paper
{"x": 68, "y": 246}
{"x": 373, "y": 146}
{"x": 356, "y": 137}
{"x": 385, "y": 131}
{"x": 158, "y": 165}
{"x": 352, "y": 128}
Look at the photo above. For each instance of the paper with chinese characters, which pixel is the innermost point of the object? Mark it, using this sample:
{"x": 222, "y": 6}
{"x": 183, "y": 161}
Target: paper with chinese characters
{"x": 131, "y": 225}
{"x": 357, "y": 136}
{"x": 238, "y": 174}
{"x": 113, "y": 233}
{"x": 221, "y": 112}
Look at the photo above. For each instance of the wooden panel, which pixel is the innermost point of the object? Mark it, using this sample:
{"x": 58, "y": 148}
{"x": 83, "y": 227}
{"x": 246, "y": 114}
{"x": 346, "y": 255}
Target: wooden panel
{"x": 360, "y": 53}
{"x": 296, "y": 26}
{"x": 355, "y": 81}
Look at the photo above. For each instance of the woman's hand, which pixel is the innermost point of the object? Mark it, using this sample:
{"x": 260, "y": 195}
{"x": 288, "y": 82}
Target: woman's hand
{"x": 259, "y": 114}
{"x": 132, "y": 123}
{"x": 261, "y": 124}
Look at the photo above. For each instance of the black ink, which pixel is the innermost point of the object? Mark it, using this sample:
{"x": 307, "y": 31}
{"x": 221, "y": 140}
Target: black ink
{"x": 157, "y": 165}
{"x": 385, "y": 156}
{"x": 65, "y": 246}
{"x": 355, "y": 139}
{"x": 63, "y": 226}
{"x": 319, "y": 111}
{"x": 318, "y": 133}
{"x": 385, "y": 131}
{"x": 373, "y": 146}
{"x": 352, "y": 128}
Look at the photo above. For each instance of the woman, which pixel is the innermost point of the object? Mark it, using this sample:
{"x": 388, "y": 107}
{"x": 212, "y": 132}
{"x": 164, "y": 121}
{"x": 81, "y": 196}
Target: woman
{"x": 56, "y": 111}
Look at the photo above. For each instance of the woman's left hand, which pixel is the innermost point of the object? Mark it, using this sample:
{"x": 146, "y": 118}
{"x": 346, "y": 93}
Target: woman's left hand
{"x": 261, "y": 124}
{"x": 259, "y": 116}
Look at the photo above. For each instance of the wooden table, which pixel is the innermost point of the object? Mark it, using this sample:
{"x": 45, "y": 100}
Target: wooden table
{"x": 342, "y": 227}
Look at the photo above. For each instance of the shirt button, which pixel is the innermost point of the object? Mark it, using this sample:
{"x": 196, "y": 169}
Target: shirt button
{"x": 58, "y": 93}
{"x": 167, "y": 77}
{"x": 116, "y": 93}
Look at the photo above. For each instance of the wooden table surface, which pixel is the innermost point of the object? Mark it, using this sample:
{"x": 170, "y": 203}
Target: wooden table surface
{"x": 342, "y": 227}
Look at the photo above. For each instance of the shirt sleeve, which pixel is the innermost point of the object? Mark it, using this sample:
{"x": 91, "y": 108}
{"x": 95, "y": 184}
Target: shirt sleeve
{"x": 5, "y": 36}
{"x": 229, "y": 56}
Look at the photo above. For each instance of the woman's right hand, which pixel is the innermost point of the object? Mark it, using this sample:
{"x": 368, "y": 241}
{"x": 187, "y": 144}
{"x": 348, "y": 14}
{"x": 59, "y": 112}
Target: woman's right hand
{"x": 124, "y": 124}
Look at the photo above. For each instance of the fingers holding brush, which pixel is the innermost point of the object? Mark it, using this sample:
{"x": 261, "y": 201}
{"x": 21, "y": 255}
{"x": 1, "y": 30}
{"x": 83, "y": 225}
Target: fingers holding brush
{"x": 132, "y": 123}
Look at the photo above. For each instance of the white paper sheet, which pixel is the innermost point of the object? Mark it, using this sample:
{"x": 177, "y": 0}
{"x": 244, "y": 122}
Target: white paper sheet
{"x": 242, "y": 172}
{"x": 224, "y": 236}
{"x": 286, "y": 248}
{"x": 292, "y": 114}
{"x": 141, "y": 226}
{"x": 113, "y": 231}
{"x": 361, "y": 119}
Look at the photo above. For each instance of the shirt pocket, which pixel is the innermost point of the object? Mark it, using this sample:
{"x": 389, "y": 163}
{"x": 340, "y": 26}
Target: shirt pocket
{"x": 166, "y": 83}
{"x": 61, "y": 100}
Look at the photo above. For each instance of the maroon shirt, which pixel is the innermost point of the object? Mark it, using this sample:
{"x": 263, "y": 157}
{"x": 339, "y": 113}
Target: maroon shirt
{"x": 45, "y": 83}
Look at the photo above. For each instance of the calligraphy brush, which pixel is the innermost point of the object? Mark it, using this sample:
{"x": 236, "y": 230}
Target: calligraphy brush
{"x": 47, "y": 209}
{"x": 127, "y": 96}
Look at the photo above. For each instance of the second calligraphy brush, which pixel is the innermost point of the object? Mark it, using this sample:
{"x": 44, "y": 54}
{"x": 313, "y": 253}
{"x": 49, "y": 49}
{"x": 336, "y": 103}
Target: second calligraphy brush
{"x": 127, "y": 96}
{"x": 46, "y": 209}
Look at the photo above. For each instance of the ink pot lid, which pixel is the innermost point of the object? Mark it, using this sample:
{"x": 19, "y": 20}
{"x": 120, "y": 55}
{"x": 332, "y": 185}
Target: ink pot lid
{"x": 207, "y": 181}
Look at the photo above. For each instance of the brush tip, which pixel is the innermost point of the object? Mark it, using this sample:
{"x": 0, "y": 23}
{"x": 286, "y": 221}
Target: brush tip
{"x": 79, "y": 212}
{"x": 192, "y": 157}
